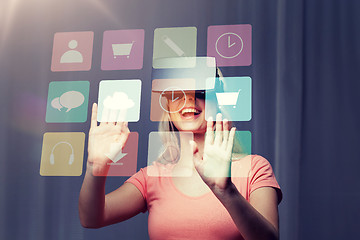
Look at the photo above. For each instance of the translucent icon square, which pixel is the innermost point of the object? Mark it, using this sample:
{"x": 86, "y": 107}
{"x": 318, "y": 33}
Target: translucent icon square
{"x": 119, "y": 100}
{"x": 204, "y": 68}
{"x": 62, "y": 154}
{"x": 174, "y": 92}
{"x": 230, "y": 44}
{"x": 232, "y": 98}
{"x": 242, "y": 144}
{"x": 164, "y": 154}
{"x": 123, "y": 49}
{"x": 67, "y": 101}
{"x": 240, "y": 159}
{"x": 174, "y": 43}
{"x": 72, "y": 51}
{"x": 241, "y": 154}
{"x": 124, "y": 162}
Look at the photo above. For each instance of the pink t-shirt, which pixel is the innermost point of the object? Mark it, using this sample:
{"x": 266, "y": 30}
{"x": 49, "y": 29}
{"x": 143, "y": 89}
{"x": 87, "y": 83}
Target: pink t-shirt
{"x": 174, "y": 215}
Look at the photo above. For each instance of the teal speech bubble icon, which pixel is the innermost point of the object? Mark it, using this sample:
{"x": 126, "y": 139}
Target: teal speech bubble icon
{"x": 67, "y": 101}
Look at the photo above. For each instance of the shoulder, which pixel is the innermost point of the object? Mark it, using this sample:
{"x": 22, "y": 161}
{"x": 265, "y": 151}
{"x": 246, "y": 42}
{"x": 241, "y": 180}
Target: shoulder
{"x": 262, "y": 175}
{"x": 246, "y": 165}
{"x": 258, "y": 172}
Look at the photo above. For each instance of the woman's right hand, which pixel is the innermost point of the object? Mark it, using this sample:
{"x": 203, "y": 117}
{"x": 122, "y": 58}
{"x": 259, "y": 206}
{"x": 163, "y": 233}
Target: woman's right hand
{"x": 106, "y": 141}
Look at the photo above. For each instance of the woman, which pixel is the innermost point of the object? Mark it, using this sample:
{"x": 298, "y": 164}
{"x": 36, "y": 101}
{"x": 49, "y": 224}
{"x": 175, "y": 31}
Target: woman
{"x": 207, "y": 204}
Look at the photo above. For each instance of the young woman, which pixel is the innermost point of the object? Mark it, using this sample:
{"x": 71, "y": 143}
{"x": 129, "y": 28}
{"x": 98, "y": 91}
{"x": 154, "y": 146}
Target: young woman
{"x": 204, "y": 204}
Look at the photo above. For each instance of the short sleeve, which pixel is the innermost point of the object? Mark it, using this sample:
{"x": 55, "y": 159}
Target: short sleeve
{"x": 262, "y": 175}
{"x": 139, "y": 179}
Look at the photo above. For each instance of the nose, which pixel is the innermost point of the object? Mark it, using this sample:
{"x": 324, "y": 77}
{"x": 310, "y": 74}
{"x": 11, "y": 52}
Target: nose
{"x": 190, "y": 96}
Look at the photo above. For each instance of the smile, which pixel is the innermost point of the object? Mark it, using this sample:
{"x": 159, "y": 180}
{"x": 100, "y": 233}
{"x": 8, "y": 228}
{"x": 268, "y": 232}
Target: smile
{"x": 189, "y": 113}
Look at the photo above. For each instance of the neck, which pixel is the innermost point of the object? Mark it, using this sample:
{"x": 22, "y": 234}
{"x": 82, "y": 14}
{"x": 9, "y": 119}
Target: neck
{"x": 186, "y": 157}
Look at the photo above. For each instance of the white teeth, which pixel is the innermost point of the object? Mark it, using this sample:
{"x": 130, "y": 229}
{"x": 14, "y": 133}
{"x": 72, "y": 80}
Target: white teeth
{"x": 189, "y": 110}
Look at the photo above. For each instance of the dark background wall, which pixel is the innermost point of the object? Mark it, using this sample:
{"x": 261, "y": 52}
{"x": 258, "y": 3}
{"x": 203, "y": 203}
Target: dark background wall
{"x": 305, "y": 73}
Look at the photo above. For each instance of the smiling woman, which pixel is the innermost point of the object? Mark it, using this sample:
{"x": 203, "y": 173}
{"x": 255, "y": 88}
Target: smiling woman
{"x": 201, "y": 192}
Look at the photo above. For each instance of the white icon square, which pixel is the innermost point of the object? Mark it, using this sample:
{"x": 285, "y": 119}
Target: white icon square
{"x": 119, "y": 100}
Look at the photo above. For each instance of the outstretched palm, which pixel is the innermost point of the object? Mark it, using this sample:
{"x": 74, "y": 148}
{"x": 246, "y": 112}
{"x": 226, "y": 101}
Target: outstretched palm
{"x": 214, "y": 167}
{"x": 105, "y": 140}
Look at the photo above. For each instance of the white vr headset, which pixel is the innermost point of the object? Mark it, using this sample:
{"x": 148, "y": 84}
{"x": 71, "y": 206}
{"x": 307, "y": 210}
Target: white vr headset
{"x": 186, "y": 73}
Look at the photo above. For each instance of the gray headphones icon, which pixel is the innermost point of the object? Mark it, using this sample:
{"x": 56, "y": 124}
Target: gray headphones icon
{"x": 52, "y": 157}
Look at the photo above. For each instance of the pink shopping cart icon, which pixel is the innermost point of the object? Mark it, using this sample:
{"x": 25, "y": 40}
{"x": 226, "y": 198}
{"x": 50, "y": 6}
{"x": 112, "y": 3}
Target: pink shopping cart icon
{"x": 122, "y": 49}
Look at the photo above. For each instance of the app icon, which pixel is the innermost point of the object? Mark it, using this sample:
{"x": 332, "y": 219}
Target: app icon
{"x": 123, "y": 161}
{"x": 67, "y": 101}
{"x": 230, "y": 44}
{"x": 62, "y": 154}
{"x": 175, "y": 43}
{"x": 72, "y": 51}
{"x": 173, "y": 94}
{"x": 165, "y": 91}
{"x": 123, "y": 49}
{"x": 164, "y": 151}
{"x": 240, "y": 159}
{"x": 119, "y": 100}
{"x": 232, "y": 99}
{"x": 242, "y": 143}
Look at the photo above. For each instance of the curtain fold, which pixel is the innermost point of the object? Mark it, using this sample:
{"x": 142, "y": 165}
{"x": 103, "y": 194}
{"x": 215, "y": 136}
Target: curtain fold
{"x": 289, "y": 106}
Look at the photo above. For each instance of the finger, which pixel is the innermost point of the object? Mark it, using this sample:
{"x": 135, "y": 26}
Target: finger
{"x": 194, "y": 147}
{"x": 196, "y": 155}
{"x": 120, "y": 121}
{"x": 104, "y": 116}
{"x": 225, "y": 132}
{"x": 124, "y": 127}
{"x": 218, "y": 129}
{"x": 209, "y": 137}
{"x": 231, "y": 139}
{"x": 93, "y": 122}
{"x": 122, "y": 115}
{"x": 124, "y": 137}
{"x": 112, "y": 116}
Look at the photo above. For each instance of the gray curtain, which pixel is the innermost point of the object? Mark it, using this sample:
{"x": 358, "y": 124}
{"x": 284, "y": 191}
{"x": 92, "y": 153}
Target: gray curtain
{"x": 305, "y": 74}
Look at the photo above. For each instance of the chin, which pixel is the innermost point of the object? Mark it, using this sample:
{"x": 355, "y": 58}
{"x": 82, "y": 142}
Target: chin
{"x": 190, "y": 127}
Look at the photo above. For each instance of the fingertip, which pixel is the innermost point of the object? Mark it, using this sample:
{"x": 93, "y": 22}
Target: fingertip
{"x": 127, "y": 130}
{"x": 93, "y": 119}
{"x": 226, "y": 124}
{"x": 210, "y": 122}
{"x": 193, "y": 145}
{"x": 232, "y": 131}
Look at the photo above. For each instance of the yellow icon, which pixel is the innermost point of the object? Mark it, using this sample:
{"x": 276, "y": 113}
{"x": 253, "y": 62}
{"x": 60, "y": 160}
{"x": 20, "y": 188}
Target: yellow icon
{"x": 62, "y": 154}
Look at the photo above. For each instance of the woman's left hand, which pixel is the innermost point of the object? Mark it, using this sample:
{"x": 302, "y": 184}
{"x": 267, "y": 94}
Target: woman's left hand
{"x": 214, "y": 167}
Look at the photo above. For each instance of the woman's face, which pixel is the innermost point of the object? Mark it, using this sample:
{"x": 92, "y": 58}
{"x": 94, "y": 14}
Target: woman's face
{"x": 188, "y": 114}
